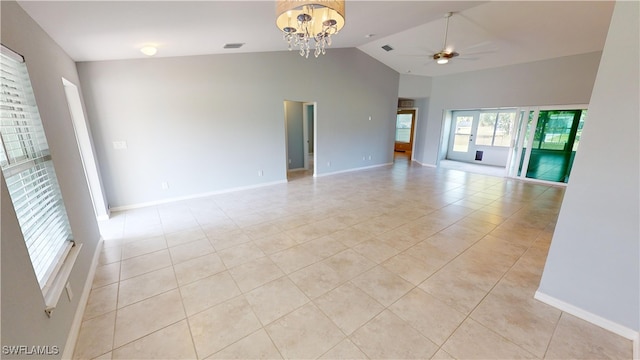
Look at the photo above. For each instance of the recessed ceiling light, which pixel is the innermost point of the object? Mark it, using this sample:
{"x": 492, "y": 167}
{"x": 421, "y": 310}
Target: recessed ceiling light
{"x": 369, "y": 35}
{"x": 149, "y": 50}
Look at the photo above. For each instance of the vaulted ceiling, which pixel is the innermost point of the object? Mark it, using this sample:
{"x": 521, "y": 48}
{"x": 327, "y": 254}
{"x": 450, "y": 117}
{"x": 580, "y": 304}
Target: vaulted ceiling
{"x": 486, "y": 34}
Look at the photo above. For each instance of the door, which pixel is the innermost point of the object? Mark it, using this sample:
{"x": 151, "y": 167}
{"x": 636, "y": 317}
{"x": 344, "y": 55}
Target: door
{"x": 464, "y": 125}
{"x": 405, "y": 125}
{"x": 547, "y": 143}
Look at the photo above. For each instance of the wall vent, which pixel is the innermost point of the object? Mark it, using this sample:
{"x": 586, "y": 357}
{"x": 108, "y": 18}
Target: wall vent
{"x": 233, "y": 45}
{"x": 387, "y": 48}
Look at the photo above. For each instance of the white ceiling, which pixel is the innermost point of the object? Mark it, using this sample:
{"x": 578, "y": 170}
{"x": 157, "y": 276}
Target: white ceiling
{"x": 486, "y": 34}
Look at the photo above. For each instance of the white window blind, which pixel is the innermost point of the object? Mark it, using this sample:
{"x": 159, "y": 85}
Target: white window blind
{"x": 29, "y": 172}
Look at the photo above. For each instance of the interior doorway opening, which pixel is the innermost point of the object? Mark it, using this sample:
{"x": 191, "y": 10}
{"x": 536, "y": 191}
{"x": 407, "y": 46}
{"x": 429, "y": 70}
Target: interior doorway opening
{"x": 300, "y": 135}
{"x": 83, "y": 138}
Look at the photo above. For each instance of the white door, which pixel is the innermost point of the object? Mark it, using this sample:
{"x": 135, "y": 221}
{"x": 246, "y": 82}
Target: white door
{"x": 464, "y": 125}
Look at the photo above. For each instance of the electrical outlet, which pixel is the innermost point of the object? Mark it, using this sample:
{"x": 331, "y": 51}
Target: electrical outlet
{"x": 260, "y": 173}
{"x": 164, "y": 185}
{"x": 369, "y": 157}
{"x": 329, "y": 163}
{"x": 363, "y": 158}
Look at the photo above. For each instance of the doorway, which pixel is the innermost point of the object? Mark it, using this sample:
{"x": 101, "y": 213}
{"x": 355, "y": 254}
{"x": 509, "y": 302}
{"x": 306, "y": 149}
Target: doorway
{"x": 83, "y": 139}
{"x": 481, "y": 136}
{"x": 547, "y": 142}
{"x": 300, "y": 135}
{"x": 405, "y": 127}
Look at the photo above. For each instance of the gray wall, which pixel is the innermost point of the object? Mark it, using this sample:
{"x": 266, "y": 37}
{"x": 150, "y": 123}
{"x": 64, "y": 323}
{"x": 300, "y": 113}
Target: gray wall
{"x": 566, "y": 80}
{"x": 295, "y": 149}
{"x": 23, "y": 318}
{"x": 210, "y": 123}
{"x": 594, "y": 258}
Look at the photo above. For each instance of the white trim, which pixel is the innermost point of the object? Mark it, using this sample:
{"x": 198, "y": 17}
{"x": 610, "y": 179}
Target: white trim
{"x": 72, "y": 338}
{"x": 196, "y": 196}
{"x": 606, "y": 324}
{"x": 636, "y": 347}
{"x": 352, "y": 170}
{"x": 60, "y": 280}
{"x": 425, "y": 165}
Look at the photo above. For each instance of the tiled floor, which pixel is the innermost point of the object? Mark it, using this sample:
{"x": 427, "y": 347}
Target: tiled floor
{"x": 396, "y": 262}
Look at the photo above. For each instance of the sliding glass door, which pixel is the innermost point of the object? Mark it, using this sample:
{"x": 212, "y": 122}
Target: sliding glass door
{"x": 546, "y": 143}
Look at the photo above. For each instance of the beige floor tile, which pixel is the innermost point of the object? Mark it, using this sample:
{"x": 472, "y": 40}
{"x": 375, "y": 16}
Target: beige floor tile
{"x": 222, "y": 240}
{"x": 460, "y": 293}
{"x": 349, "y": 264}
{"x": 95, "y": 337}
{"x": 184, "y": 236}
{"x": 389, "y": 337}
{"x": 110, "y": 255}
{"x": 106, "y": 356}
{"x": 409, "y": 268}
{"x": 141, "y": 318}
{"x": 351, "y": 236}
{"x": 348, "y": 307}
{"x": 255, "y": 346}
{"x": 101, "y": 301}
{"x": 304, "y": 334}
{"x": 275, "y": 299}
{"x": 255, "y": 273}
{"x": 474, "y": 341}
{"x": 240, "y": 254}
{"x": 525, "y": 321}
{"x": 399, "y": 240}
{"x": 191, "y": 250}
{"x": 144, "y": 264}
{"x": 262, "y": 230}
{"x": 577, "y": 339}
{"x": 143, "y": 246}
{"x": 145, "y": 286}
{"x": 171, "y": 342}
{"x": 270, "y": 244}
{"x": 315, "y": 280}
{"x": 442, "y": 355}
{"x": 344, "y": 350}
{"x": 382, "y": 285}
{"x": 294, "y": 258}
{"x": 324, "y": 246}
{"x": 220, "y": 326}
{"x": 304, "y": 233}
{"x": 106, "y": 274}
{"x": 433, "y": 318}
{"x": 210, "y": 291}
{"x": 198, "y": 268}
{"x": 375, "y": 250}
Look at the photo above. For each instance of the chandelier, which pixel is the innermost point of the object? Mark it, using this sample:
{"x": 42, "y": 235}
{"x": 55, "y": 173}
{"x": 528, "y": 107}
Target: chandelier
{"x": 303, "y": 21}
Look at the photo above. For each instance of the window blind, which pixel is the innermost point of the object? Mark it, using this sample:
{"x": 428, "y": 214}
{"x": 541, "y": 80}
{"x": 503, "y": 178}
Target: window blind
{"x": 29, "y": 172}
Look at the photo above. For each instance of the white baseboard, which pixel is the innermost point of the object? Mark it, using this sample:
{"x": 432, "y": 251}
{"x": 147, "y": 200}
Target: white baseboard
{"x": 196, "y": 196}
{"x": 606, "y": 324}
{"x": 425, "y": 165}
{"x": 72, "y": 338}
{"x": 636, "y": 347}
{"x": 352, "y": 170}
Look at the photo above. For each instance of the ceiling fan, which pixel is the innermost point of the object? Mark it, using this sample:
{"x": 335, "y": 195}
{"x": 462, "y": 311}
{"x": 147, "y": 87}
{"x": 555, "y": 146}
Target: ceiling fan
{"x": 443, "y": 56}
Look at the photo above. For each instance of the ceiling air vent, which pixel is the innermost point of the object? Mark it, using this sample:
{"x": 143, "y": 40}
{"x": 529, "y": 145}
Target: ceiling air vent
{"x": 233, "y": 45}
{"x": 387, "y": 48}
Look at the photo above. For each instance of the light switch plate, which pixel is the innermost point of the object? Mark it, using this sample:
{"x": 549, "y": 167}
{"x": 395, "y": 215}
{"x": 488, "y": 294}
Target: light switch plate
{"x": 120, "y": 145}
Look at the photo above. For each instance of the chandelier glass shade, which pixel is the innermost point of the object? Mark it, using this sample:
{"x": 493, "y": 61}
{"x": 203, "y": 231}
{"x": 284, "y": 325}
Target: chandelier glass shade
{"x": 305, "y": 21}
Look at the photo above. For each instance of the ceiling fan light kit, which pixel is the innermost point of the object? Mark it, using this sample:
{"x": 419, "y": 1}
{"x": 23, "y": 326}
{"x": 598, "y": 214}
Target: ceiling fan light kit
{"x": 444, "y": 55}
{"x": 302, "y": 21}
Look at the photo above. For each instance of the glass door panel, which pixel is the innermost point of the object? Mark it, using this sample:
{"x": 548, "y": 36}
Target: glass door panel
{"x": 405, "y": 123}
{"x": 552, "y": 138}
{"x": 463, "y": 128}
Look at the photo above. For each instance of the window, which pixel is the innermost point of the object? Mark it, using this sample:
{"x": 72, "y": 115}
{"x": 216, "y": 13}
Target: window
{"x": 30, "y": 174}
{"x": 494, "y": 128}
